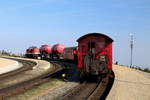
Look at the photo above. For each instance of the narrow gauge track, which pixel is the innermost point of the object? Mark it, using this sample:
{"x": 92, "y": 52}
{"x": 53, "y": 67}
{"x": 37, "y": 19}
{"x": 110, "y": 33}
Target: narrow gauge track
{"x": 20, "y": 87}
{"x": 91, "y": 89}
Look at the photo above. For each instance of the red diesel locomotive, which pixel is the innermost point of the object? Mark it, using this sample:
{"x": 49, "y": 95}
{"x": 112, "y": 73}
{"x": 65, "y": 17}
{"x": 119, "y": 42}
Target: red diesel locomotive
{"x": 94, "y": 54}
{"x": 33, "y": 52}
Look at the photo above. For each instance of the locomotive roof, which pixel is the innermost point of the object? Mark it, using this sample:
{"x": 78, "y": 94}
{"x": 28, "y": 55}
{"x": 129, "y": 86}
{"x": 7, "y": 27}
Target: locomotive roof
{"x": 95, "y": 34}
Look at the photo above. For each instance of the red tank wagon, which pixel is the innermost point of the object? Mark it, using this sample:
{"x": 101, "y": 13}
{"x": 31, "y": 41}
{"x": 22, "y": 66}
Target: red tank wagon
{"x": 57, "y": 51}
{"x": 45, "y": 51}
{"x": 94, "y": 54}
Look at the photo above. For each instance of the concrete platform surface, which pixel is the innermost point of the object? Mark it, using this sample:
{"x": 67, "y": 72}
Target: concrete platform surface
{"x": 8, "y": 65}
{"x": 129, "y": 84}
{"x": 41, "y": 64}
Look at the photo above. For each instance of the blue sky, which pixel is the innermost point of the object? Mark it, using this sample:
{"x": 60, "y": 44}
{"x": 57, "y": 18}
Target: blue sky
{"x": 35, "y": 22}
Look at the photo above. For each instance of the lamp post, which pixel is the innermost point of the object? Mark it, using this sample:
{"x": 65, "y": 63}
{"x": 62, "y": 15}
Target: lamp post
{"x": 131, "y": 46}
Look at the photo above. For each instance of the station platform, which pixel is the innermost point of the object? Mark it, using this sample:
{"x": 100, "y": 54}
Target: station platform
{"x": 7, "y": 65}
{"x": 129, "y": 84}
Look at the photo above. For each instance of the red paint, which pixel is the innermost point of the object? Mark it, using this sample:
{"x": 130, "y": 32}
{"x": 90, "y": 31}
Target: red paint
{"x": 33, "y": 50}
{"x": 80, "y": 63}
{"x": 69, "y": 53}
{"x": 58, "y": 48}
{"x": 45, "y": 49}
{"x": 100, "y": 44}
{"x": 74, "y": 51}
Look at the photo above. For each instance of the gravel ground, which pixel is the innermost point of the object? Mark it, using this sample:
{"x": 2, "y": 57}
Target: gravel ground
{"x": 47, "y": 91}
{"x": 57, "y": 92}
{"x": 129, "y": 84}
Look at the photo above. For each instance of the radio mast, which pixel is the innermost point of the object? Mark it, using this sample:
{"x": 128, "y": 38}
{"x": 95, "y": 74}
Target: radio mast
{"x": 131, "y": 46}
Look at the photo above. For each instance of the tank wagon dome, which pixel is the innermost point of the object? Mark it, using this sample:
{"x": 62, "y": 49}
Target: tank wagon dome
{"x": 95, "y": 34}
{"x": 46, "y": 49}
{"x": 58, "y": 48}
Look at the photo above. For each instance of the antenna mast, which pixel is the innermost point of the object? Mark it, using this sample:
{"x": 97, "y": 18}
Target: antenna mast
{"x": 131, "y": 46}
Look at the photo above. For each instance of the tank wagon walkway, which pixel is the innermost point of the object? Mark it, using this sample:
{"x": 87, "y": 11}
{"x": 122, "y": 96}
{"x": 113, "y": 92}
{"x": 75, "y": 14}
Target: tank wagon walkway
{"x": 8, "y": 65}
{"x": 130, "y": 84}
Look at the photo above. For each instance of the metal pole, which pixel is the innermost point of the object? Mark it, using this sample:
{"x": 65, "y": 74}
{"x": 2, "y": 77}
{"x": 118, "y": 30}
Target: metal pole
{"x": 131, "y": 46}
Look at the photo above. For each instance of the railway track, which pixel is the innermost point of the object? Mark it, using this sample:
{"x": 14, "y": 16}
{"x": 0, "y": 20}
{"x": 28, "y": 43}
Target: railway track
{"x": 88, "y": 90}
{"x": 19, "y": 87}
{"x": 91, "y": 89}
